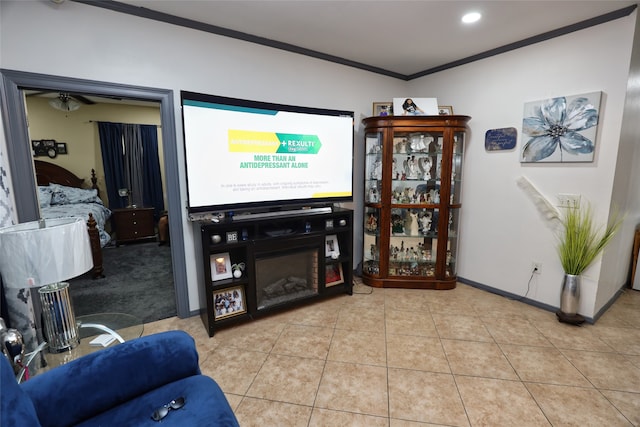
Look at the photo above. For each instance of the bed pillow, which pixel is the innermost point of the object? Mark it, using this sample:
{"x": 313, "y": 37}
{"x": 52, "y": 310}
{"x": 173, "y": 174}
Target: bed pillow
{"x": 63, "y": 195}
{"x": 44, "y": 196}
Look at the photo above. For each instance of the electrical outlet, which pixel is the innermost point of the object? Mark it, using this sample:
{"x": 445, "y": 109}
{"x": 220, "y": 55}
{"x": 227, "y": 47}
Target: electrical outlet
{"x": 536, "y": 267}
{"x": 569, "y": 200}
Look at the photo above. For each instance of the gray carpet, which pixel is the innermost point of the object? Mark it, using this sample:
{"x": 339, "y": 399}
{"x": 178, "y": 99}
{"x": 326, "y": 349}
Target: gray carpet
{"x": 139, "y": 281}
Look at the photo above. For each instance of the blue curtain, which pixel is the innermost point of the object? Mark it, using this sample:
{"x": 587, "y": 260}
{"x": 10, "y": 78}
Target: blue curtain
{"x": 151, "y": 179}
{"x": 133, "y": 163}
{"x": 112, "y": 160}
{"x": 130, "y": 159}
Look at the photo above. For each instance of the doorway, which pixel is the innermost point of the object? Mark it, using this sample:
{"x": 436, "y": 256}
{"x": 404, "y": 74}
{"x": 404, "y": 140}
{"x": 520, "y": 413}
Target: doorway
{"x": 20, "y": 156}
{"x": 137, "y": 277}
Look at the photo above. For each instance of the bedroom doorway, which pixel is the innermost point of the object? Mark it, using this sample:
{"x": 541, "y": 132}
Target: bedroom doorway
{"x": 63, "y": 128}
{"x": 20, "y": 156}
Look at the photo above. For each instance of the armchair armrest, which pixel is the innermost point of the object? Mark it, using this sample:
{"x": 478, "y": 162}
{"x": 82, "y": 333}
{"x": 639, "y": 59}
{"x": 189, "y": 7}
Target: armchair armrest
{"x": 102, "y": 380}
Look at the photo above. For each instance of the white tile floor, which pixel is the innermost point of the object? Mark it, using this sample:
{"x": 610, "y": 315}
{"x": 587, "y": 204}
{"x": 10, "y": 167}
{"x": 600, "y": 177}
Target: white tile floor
{"x": 400, "y": 358}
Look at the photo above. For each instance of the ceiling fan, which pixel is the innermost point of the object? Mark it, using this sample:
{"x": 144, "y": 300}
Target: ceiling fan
{"x": 65, "y": 101}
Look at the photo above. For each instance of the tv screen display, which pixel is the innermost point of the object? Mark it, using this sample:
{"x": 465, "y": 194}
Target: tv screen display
{"x": 248, "y": 154}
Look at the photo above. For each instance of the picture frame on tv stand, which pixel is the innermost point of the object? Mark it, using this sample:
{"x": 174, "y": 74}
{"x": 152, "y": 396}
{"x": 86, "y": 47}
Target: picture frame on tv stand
{"x": 333, "y": 275}
{"x": 332, "y": 248}
{"x": 221, "y": 267}
{"x": 229, "y": 302}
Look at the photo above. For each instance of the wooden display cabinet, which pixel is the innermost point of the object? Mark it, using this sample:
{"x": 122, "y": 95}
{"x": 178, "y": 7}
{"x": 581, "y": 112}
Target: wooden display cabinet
{"x": 413, "y": 173}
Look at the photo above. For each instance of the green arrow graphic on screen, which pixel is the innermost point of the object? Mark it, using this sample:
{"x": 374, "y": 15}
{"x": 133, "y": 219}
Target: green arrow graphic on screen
{"x": 298, "y": 144}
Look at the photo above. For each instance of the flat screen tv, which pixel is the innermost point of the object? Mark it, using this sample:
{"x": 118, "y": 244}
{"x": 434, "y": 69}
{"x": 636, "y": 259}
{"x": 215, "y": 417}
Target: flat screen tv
{"x": 248, "y": 155}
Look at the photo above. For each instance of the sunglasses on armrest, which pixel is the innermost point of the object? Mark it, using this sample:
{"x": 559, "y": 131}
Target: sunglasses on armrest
{"x": 163, "y": 411}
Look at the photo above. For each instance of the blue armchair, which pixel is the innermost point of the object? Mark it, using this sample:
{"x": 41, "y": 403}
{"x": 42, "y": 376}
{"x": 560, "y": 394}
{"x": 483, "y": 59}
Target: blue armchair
{"x": 119, "y": 386}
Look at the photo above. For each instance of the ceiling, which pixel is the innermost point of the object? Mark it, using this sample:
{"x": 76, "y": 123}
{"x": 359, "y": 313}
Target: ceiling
{"x": 404, "y": 39}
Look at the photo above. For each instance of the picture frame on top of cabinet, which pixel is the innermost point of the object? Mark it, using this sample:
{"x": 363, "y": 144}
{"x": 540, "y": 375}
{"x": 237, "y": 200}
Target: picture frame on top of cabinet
{"x": 415, "y": 106}
{"x": 445, "y": 110}
{"x": 383, "y": 109}
{"x": 221, "y": 266}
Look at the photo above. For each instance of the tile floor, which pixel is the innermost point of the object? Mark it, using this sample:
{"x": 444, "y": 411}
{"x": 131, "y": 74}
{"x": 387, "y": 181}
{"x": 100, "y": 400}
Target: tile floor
{"x": 400, "y": 358}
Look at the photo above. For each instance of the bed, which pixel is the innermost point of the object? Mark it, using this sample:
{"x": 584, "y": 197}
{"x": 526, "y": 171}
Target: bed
{"x": 62, "y": 194}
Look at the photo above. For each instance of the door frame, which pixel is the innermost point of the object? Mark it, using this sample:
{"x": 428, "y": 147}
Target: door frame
{"x": 21, "y": 162}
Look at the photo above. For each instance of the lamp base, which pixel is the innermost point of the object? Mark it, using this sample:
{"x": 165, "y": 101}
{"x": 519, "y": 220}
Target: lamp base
{"x": 61, "y": 329}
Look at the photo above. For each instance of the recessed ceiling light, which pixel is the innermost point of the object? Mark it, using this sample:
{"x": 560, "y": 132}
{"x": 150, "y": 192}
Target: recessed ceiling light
{"x": 471, "y": 17}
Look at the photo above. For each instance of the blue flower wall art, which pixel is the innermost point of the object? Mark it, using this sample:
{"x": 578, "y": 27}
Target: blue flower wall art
{"x": 560, "y": 129}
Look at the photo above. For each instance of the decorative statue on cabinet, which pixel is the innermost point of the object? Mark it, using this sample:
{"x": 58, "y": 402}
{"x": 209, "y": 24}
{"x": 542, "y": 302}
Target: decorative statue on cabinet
{"x": 412, "y": 220}
{"x": 372, "y": 223}
{"x": 425, "y": 166}
{"x": 425, "y": 222}
{"x": 397, "y": 224}
{"x": 401, "y": 147}
{"x": 376, "y": 170}
{"x": 373, "y": 195}
{"x": 411, "y": 167}
{"x": 420, "y": 144}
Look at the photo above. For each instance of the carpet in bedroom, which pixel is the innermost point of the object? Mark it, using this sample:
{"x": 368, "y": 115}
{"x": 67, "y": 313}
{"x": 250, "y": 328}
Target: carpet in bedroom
{"x": 139, "y": 281}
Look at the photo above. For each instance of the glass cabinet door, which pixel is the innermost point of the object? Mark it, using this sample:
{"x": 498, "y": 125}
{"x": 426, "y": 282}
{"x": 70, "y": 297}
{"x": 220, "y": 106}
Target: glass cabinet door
{"x": 456, "y": 167}
{"x": 371, "y": 253}
{"x": 415, "y": 197}
{"x": 373, "y": 168}
{"x": 373, "y": 191}
{"x": 452, "y": 243}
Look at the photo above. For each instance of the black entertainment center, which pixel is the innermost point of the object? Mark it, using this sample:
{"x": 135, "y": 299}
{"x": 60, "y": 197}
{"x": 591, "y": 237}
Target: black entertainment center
{"x": 285, "y": 259}
{"x": 263, "y": 183}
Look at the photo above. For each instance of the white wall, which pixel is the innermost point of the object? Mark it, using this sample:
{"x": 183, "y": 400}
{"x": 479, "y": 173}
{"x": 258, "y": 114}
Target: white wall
{"x": 501, "y": 230}
{"x": 106, "y": 46}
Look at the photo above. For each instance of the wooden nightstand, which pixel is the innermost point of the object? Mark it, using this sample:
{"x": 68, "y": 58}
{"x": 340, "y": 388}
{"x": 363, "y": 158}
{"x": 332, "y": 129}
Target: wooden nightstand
{"x": 133, "y": 224}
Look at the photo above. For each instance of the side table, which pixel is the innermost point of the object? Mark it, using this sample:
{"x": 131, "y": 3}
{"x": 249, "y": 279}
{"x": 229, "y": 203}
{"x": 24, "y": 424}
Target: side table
{"x": 123, "y": 327}
{"x": 133, "y": 224}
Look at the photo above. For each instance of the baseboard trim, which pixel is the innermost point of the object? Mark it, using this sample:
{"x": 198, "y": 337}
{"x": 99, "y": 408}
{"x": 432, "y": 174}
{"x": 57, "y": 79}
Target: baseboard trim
{"x": 537, "y": 304}
{"x": 611, "y": 301}
{"x": 516, "y": 297}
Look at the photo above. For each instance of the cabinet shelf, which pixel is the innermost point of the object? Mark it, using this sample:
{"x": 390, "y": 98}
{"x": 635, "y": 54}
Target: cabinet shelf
{"x": 413, "y": 176}
{"x": 225, "y": 283}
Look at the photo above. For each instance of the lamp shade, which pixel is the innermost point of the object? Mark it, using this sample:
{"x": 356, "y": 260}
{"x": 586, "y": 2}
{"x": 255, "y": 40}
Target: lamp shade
{"x": 31, "y": 256}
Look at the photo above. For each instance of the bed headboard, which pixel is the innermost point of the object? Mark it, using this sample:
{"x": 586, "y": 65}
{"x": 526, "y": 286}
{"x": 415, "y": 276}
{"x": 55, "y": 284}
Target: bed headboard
{"x": 49, "y": 173}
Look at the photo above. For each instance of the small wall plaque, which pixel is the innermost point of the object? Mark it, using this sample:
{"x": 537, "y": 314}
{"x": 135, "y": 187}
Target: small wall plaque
{"x": 500, "y": 139}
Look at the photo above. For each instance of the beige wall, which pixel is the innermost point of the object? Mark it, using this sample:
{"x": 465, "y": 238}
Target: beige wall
{"x": 79, "y": 130}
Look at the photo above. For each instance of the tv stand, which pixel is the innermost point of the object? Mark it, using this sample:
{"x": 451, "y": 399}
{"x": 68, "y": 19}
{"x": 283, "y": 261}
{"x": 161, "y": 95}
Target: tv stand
{"x": 286, "y": 259}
